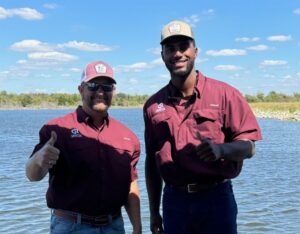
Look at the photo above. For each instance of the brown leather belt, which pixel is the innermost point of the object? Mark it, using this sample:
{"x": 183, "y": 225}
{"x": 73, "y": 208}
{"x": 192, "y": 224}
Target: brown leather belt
{"x": 197, "y": 187}
{"x": 96, "y": 221}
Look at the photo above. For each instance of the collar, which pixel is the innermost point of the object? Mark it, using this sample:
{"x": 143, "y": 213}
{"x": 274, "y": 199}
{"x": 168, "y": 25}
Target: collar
{"x": 174, "y": 95}
{"x": 82, "y": 116}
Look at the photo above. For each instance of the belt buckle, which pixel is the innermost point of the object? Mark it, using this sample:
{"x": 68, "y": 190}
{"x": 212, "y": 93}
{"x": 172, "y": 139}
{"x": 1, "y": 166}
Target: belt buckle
{"x": 191, "y": 188}
{"x": 98, "y": 221}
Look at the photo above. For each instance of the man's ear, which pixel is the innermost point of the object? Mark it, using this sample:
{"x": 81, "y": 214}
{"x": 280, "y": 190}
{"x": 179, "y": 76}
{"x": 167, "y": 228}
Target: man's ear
{"x": 80, "y": 88}
{"x": 196, "y": 52}
{"x": 114, "y": 92}
{"x": 162, "y": 56}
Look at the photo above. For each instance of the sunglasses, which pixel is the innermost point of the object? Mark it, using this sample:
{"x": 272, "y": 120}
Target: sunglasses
{"x": 93, "y": 87}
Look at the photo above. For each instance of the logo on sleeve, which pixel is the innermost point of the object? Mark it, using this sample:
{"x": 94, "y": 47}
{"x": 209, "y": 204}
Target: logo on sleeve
{"x": 75, "y": 133}
{"x": 160, "y": 108}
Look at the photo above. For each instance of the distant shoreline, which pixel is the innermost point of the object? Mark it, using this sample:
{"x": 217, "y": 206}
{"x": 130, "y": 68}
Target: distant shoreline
{"x": 259, "y": 113}
{"x": 280, "y": 115}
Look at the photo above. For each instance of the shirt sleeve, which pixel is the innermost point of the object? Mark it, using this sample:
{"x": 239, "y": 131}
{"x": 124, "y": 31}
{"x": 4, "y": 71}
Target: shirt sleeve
{"x": 148, "y": 135}
{"x": 134, "y": 160}
{"x": 240, "y": 122}
{"x": 44, "y": 136}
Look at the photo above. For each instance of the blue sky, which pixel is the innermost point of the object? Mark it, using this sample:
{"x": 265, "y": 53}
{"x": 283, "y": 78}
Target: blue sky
{"x": 254, "y": 45}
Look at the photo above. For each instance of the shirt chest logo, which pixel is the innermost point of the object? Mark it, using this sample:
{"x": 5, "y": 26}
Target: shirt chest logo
{"x": 75, "y": 133}
{"x": 214, "y": 105}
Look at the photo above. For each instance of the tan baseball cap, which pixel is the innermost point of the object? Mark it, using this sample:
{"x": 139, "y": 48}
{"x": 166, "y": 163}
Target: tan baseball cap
{"x": 176, "y": 28}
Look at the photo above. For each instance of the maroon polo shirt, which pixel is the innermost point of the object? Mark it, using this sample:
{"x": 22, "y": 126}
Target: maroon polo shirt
{"x": 216, "y": 111}
{"x": 95, "y": 167}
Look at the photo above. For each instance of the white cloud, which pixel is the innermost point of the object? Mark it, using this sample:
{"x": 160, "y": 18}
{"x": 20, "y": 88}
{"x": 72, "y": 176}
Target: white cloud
{"x": 158, "y": 61}
{"x": 25, "y": 13}
{"x": 280, "y": 38}
{"x": 269, "y": 76}
{"x": 247, "y": 39}
{"x": 30, "y": 45}
{"x": 165, "y": 76}
{"x": 136, "y": 67}
{"x": 192, "y": 20}
{"x": 75, "y": 69}
{"x": 52, "y": 56}
{"x": 208, "y": 12}
{"x": 22, "y": 61}
{"x": 258, "y": 47}
{"x": 297, "y": 11}
{"x": 273, "y": 62}
{"x": 85, "y": 46}
{"x": 36, "y": 64}
{"x": 198, "y": 61}
{"x": 4, "y": 74}
{"x": 226, "y": 52}
{"x": 227, "y": 68}
{"x": 155, "y": 51}
{"x": 50, "y": 5}
{"x": 133, "y": 81}
{"x": 298, "y": 74}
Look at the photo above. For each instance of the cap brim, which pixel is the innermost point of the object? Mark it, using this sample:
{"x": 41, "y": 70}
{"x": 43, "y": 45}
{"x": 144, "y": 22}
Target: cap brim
{"x": 94, "y": 77}
{"x": 173, "y": 36}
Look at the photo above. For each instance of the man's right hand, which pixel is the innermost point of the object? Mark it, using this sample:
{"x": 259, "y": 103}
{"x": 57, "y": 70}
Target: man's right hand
{"x": 48, "y": 155}
{"x": 156, "y": 225}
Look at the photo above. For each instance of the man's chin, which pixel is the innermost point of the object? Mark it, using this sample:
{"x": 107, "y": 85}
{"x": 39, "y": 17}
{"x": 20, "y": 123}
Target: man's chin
{"x": 180, "y": 72}
{"x": 100, "y": 107}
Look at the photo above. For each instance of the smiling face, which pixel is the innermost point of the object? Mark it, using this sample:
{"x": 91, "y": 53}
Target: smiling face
{"x": 97, "y": 96}
{"x": 179, "y": 55}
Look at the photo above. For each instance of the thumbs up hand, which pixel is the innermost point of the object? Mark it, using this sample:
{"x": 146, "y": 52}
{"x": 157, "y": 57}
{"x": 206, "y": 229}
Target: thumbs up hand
{"x": 48, "y": 154}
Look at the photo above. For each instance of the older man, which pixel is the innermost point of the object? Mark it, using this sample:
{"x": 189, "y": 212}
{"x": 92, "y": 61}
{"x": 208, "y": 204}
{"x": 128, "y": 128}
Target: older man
{"x": 91, "y": 159}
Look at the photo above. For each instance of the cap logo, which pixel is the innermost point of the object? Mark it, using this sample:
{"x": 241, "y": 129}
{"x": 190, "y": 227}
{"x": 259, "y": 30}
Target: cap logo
{"x": 174, "y": 28}
{"x": 100, "y": 68}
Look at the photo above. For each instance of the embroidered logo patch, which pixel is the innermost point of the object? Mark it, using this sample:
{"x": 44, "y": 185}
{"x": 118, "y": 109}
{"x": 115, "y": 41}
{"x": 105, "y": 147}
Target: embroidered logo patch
{"x": 160, "y": 107}
{"x": 75, "y": 133}
{"x": 100, "y": 68}
{"x": 174, "y": 28}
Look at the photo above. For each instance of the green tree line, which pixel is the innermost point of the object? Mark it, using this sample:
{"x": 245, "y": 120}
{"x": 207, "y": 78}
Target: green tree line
{"x": 120, "y": 100}
{"x": 62, "y": 100}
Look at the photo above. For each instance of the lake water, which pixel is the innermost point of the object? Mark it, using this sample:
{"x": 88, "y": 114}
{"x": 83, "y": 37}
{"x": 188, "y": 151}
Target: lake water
{"x": 267, "y": 191}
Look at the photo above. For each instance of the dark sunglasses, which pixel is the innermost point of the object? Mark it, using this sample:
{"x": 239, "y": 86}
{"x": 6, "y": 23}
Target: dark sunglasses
{"x": 93, "y": 87}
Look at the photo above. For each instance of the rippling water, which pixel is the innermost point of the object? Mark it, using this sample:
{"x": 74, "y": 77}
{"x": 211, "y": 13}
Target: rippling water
{"x": 267, "y": 191}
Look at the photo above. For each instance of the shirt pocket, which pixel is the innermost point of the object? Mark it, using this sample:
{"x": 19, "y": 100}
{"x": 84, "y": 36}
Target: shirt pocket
{"x": 208, "y": 123}
{"x": 162, "y": 125}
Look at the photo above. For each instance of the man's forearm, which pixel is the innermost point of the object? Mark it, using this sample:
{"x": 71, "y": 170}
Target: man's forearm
{"x": 237, "y": 150}
{"x": 232, "y": 151}
{"x": 154, "y": 185}
{"x": 34, "y": 171}
{"x": 133, "y": 208}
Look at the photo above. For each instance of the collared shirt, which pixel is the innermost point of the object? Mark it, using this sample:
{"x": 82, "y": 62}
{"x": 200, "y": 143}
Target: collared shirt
{"x": 95, "y": 166}
{"x": 172, "y": 130}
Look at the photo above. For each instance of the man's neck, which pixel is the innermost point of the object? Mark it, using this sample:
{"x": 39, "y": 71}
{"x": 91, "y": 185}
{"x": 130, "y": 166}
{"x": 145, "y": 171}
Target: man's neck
{"x": 96, "y": 117}
{"x": 185, "y": 86}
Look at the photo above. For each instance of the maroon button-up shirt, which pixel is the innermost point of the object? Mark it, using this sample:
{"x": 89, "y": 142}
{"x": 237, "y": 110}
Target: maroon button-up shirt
{"x": 217, "y": 111}
{"x": 95, "y": 167}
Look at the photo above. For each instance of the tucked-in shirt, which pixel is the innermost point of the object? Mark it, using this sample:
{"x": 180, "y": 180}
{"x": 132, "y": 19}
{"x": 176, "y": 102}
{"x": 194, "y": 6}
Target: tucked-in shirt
{"x": 95, "y": 166}
{"x": 174, "y": 126}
